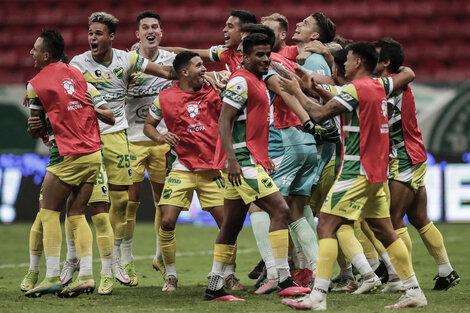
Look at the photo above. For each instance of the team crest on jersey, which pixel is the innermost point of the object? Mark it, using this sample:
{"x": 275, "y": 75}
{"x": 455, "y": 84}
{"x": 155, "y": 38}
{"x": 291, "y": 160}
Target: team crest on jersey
{"x": 142, "y": 112}
{"x": 267, "y": 182}
{"x": 118, "y": 72}
{"x": 69, "y": 86}
{"x": 193, "y": 109}
{"x": 167, "y": 193}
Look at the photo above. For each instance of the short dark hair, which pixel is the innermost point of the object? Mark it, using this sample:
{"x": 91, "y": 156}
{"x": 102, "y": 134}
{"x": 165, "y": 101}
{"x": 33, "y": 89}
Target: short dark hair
{"x": 244, "y": 17}
{"x": 145, "y": 14}
{"x": 339, "y": 59}
{"x": 390, "y": 50}
{"x": 253, "y": 40}
{"x": 182, "y": 60}
{"x": 326, "y": 27}
{"x": 259, "y": 29}
{"x": 53, "y": 43}
{"x": 366, "y": 52}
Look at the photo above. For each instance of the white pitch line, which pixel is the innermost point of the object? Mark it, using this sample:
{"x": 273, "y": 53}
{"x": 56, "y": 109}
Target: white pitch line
{"x": 143, "y": 257}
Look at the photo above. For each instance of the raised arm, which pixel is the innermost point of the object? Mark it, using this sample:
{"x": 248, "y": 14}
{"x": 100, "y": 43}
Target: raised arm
{"x": 164, "y": 71}
{"x": 203, "y": 53}
{"x": 403, "y": 78}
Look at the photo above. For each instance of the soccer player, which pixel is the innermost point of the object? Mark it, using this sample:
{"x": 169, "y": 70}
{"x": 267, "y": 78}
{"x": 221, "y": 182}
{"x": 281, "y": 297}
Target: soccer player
{"x": 191, "y": 110}
{"x": 244, "y": 130}
{"x": 280, "y": 26}
{"x": 407, "y": 168}
{"x": 360, "y": 188}
{"x": 109, "y": 70}
{"x": 145, "y": 154}
{"x": 58, "y": 95}
{"x": 294, "y": 153}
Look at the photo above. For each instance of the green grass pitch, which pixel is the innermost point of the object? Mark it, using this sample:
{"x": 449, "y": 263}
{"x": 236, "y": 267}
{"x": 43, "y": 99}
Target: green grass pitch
{"x": 193, "y": 263}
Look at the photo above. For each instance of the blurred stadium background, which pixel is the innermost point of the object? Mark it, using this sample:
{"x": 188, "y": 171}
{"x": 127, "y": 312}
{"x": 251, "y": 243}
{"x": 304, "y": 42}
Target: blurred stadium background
{"x": 435, "y": 35}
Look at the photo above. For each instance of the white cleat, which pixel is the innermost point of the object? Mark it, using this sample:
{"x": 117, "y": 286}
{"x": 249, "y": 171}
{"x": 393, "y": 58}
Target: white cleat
{"x": 171, "y": 282}
{"x": 408, "y": 301}
{"x": 119, "y": 272}
{"x": 68, "y": 269}
{"x": 305, "y": 303}
{"x": 368, "y": 285}
{"x": 394, "y": 286}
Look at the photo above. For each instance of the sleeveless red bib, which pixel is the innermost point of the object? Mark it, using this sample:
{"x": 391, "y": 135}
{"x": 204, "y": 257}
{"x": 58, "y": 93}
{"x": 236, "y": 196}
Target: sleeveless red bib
{"x": 61, "y": 89}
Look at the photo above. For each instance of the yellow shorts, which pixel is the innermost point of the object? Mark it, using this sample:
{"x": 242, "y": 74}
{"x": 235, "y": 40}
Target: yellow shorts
{"x": 151, "y": 156}
{"x": 180, "y": 186}
{"x": 320, "y": 191}
{"x": 77, "y": 169}
{"x": 356, "y": 197}
{"x": 404, "y": 171}
{"x": 256, "y": 184}
{"x": 116, "y": 158}
{"x": 100, "y": 188}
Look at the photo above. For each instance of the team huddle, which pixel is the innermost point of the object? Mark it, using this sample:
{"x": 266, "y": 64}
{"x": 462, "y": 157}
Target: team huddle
{"x": 322, "y": 129}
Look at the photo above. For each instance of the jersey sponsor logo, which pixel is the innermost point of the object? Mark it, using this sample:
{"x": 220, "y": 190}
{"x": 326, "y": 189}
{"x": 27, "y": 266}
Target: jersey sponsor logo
{"x": 233, "y": 96}
{"x": 98, "y": 73}
{"x": 118, "y": 72}
{"x": 74, "y": 105}
{"x": 196, "y": 128}
{"x": 384, "y": 107}
{"x": 69, "y": 86}
{"x": 384, "y": 129}
{"x": 167, "y": 193}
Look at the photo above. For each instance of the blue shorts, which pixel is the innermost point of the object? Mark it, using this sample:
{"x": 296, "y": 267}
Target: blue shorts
{"x": 294, "y": 170}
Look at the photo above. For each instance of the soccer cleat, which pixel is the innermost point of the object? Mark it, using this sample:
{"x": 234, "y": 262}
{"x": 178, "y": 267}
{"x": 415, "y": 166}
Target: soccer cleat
{"x": 305, "y": 303}
{"x": 68, "y": 269}
{"x": 267, "y": 286}
{"x": 159, "y": 266}
{"x": 444, "y": 283}
{"x": 29, "y": 280}
{"x": 130, "y": 269}
{"x": 393, "y": 286}
{"x": 381, "y": 272}
{"x": 106, "y": 285}
{"x": 83, "y": 284}
{"x": 219, "y": 295}
{"x": 298, "y": 275}
{"x": 345, "y": 284}
{"x": 407, "y": 301}
{"x": 368, "y": 285}
{"x": 232, "y": 283}
{"x": 119, "y": 272}
{"x": 48, "y": 285}
{"x": 257, "y": 270}
{"x": 171, "y": 282}
{"x": 289, "y": 288}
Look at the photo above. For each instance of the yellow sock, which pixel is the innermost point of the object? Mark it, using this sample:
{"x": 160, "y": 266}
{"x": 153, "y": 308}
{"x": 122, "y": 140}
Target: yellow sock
{"x": 405, "y": 236}
{"x": 168, "y": 246}
{"x": 117, "y": 212}
{"x": 223, "y": 253}
{"x": 35, "y": 237}
{"x": 432, "y": 239}
{"x": 158, "y": 217}
{"x": 327, "y": 255}
{"x": 104, "y": 235}
{"x": 400, "y": 259}
{"x": 370, "y": 235}
{"x": 367, "y": 246}
{"x": 342, "y": 259}
{"x": 131, "y": 212}
{"x": 52, "y": 233}
{"x": 279, "y": 243}
{"x": 234, "y": 255}
{"x": 82, "y": 234}
{"x": 68, "y": 229}
{"x": 348, "y": 243}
